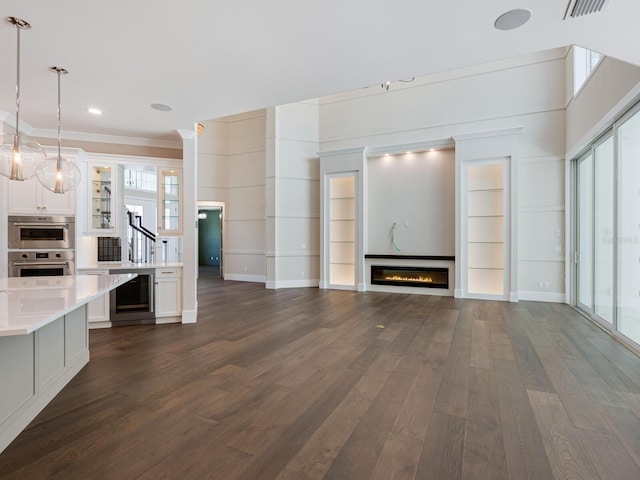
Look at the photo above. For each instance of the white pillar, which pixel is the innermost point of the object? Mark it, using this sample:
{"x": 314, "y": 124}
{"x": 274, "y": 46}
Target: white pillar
{"x": 190, "y": 226}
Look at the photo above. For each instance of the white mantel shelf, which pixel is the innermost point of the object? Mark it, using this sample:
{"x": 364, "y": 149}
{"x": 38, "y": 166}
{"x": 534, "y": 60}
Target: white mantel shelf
{"x": 28, "y": 304}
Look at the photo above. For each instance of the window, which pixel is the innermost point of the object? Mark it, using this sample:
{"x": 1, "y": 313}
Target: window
{"x": 584, "y": 62}
{"x": 141, "y": 180}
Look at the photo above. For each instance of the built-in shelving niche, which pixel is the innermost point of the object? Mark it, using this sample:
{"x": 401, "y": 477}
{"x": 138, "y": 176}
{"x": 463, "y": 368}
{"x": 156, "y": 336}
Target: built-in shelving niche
{"x": 486, "y": 229}
{"x": 342, "y": 230}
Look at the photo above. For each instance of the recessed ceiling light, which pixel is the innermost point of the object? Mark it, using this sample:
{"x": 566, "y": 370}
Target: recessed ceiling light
{"x": 161, "y": 107}
{"x": 94, "y": 111}
{"x": 409, "y": 152}
{"x": 432, "y": 149}
{"x": 512, "y": 19}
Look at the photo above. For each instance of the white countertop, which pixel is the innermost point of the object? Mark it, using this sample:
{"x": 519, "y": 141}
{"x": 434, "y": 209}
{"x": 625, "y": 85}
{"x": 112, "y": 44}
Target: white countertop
{"x": 27, "y": 304}
{"x": 127, "y": 265}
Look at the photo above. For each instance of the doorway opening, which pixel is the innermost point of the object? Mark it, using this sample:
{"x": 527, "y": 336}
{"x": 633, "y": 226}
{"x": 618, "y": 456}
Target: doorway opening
{"x": 210, "y": 238}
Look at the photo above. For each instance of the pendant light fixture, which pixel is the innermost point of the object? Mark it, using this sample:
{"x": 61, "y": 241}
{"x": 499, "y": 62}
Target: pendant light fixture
{"x": 59, "y": 174}
{"x": 20, "y": 155}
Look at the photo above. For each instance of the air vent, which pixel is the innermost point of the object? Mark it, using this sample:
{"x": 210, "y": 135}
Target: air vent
{"x": 578, "y": 8}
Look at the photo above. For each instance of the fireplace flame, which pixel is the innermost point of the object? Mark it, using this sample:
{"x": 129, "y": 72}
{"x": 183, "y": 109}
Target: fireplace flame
{"x": 401, "y": 278}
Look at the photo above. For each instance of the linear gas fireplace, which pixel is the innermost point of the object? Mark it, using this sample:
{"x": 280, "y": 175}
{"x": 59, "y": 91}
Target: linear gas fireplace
{"x": 426, "y": 277}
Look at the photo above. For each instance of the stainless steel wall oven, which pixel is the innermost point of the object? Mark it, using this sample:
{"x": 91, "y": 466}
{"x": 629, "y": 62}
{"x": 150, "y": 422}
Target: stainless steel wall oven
{"x": 41, "y": 263}
{"x": 46, "y": 232}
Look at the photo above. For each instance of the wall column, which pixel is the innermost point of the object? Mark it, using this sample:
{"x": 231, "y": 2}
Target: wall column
{"x": 486, "y": 215}
{"x": 292, "y": 195}
{"x": 190, "y": 225}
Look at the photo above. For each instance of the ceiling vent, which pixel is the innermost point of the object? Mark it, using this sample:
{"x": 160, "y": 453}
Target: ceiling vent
{"x": 578, "y": 8}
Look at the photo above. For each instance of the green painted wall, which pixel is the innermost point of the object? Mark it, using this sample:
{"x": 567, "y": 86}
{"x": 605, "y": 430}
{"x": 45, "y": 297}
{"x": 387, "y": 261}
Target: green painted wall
{"x": 209, "y": 238}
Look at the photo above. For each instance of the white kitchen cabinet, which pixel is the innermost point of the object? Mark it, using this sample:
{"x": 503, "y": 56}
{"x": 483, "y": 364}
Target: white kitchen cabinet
{"x": 168, "y": 294}
{"x": 104, "y": 182}
{"x": 31, "y": 198}
{"x": 169, "y": 201}
{"x": 98, "y": 309}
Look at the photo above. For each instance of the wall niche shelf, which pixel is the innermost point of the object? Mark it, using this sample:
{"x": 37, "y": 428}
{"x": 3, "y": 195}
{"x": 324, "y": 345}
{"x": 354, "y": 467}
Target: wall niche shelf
{"x": 342, "y": 232}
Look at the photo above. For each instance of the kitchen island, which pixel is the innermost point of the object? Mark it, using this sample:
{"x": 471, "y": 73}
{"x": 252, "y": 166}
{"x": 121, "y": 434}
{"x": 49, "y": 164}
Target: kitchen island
{"x": 43, "y": 341}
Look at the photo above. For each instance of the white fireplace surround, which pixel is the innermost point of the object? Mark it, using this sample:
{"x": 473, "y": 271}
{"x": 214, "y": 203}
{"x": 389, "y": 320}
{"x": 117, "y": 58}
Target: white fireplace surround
{"x": 496, "y": 147}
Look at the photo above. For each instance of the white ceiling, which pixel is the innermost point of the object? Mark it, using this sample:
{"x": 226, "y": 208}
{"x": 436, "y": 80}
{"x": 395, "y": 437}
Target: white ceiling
{"x": 213, "y": 58}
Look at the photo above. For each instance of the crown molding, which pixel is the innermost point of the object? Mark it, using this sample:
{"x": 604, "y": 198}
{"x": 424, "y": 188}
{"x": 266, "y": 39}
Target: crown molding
{"x": 488, "y": 133}
{"x": 9, "y": 119}
{"x": 440, "y": 144}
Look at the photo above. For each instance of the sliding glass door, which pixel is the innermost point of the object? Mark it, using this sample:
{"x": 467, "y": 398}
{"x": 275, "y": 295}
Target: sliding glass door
{"x": 607, "y": 229}
{"x": 603, "y": 231}
{"x": 584, "y": 250}
{"x": 628, "y": 143}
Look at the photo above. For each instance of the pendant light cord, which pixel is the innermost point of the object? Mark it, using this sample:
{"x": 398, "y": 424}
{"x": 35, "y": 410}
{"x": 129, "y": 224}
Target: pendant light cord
{"x": 18, "y": 79}
{"x": 58, "y": 166}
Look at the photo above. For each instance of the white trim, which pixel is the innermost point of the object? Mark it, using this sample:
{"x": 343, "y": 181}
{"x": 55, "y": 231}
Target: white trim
{"x": 186, "y": 134}
{"x": 344, "y": 151}
{"x": 551, "y": 208}
{"x": 165, "y": 320}
{"x": 289, "y": 215}
{"x": 488, "y": 134}
{"x": 190, "y": 316}
{"x": 245, "y": 278}
{"x": 132, "y": 159}
{"x": 341, "y": 287}
{"x": 101, "y": 138}
{"x": 551, "y": 297}
{"x": 440, "y": 144}
{"x": 483, "y": 296}
{"x": 322, "y": 284}
{"x": 232, "y": 220}
{"x": 244, "y": 252}
{"x": 98, "y": 325}
{"x": 457, "y": 293}
{"x": 274, "y": 285}
{"x": 301, "y": 253}
{"x": 513, "y": 297}
{"x": 362, "y": 287}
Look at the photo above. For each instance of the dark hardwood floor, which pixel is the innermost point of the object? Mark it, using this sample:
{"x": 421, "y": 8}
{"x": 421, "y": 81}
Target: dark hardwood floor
{"x": 318, "y": 384}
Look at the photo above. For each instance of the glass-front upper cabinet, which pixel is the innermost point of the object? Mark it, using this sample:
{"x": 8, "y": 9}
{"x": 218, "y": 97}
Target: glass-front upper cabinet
{"x": 170, "y": 202}
{"x": 103, "y": 192}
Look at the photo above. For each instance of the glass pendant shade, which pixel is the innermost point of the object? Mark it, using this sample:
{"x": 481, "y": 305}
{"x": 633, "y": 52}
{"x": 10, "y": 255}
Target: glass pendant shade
{"x": 20, "y": 156}
{"x": 59, "y": 174}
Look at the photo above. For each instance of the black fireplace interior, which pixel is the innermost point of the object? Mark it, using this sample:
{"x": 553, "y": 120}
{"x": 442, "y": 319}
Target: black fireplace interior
{"x": 426, "y": 277}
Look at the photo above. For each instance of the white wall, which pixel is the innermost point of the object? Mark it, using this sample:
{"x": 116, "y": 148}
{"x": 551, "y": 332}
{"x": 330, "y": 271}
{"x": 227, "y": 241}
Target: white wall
{"x": 416, "y": 192}
{"x": 526, "y": 92}
{"x": 293, "y": 196}
{"x": 231, "y": 169}
{"x": 612, "y": 88}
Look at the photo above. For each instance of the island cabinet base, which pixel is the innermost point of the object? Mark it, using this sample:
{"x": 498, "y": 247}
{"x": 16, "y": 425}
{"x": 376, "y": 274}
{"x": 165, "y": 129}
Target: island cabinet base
{"x": 35, "y": 367}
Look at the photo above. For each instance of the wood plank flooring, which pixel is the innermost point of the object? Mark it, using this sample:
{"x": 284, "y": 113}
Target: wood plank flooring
{"x": 316, "y": 384}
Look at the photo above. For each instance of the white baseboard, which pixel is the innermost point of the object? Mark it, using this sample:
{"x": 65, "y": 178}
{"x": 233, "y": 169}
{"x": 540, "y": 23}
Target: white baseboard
{"x": 190, "y": 316}
{"x": 551, "y": 297}
{"x": 96, "y": 325}
{"x": 323, "y": 284}
{"x": 163, "y": 320}
{"x": 457, "y": 293}
{"x": 362, "y": 287}
{"x": 245, "y": 278}
{"x": 291, "y": 284}
{"x": 513, "y": 297}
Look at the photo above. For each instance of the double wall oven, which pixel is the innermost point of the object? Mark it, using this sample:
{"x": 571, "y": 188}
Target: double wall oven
{"x": 41, "y": 246}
